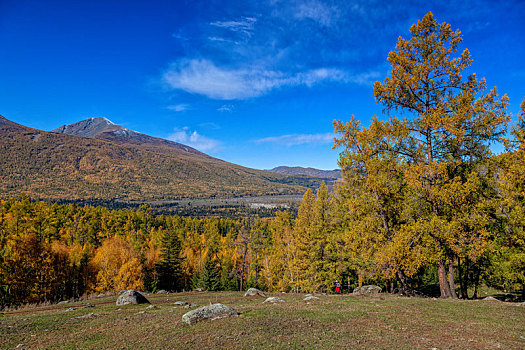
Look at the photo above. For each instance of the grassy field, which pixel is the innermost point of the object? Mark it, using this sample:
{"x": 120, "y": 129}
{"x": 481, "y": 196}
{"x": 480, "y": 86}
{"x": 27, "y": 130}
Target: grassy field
{"x": 333, "y": 322}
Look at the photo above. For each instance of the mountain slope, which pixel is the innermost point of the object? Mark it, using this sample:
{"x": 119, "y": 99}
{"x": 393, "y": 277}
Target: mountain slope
{"x": 103, "y": 129}
{"x": 52, "y": 165}
{"x": 312, "y": 172}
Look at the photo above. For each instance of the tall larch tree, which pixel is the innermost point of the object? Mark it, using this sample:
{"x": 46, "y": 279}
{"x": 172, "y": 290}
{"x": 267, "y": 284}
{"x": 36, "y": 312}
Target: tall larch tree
{"x": 443, "y": 136}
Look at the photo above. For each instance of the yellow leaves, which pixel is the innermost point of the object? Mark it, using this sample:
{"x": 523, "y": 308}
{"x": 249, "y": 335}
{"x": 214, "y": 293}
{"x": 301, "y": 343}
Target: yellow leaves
{"x": 118, "y": 266}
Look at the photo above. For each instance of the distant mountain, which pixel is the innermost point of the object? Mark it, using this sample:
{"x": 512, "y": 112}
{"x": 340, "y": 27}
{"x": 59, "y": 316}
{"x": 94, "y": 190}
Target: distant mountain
{"x": 312, "y": 172}
{"x": 96, "y": 159}
{"x": 104, "y": 129}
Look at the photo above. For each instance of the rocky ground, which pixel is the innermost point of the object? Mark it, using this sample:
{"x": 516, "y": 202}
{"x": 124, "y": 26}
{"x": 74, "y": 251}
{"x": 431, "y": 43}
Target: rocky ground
{"x": 330, "y": 322}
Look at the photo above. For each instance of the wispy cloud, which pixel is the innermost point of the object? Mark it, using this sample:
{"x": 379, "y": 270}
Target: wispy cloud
{"x": 179, "y": 108}
{"x": 194, "y": 139}
{"x": 244, "y": 25}
{"x": 203, "y": 77}
{"x": 317, "y": 11}
{"x": 299, "y": 139}
{"x": 226, "y": 108}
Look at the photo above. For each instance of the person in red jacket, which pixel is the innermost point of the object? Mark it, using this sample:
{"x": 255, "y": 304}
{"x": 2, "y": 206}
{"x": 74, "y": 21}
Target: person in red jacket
{"x": 337, "y": 287}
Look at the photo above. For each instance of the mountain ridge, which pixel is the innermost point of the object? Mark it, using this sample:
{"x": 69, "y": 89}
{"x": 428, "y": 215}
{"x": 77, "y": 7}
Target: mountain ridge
{"x": 312, "y": 172}
{"x": 57, "y": 166}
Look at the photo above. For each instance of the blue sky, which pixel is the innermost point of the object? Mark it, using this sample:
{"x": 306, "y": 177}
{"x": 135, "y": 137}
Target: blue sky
{"x": 256, "y": 83}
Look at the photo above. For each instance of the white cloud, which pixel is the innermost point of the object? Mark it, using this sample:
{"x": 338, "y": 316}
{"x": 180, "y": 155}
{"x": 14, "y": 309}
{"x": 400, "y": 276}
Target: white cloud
{"x": 203, "y": 77}
{"x": 179, "y": 108}
{"x": 299, "y": 139}
{"x": 318, "y": 12}
{"x": 194, "y": 139}
{"x": 226, "y": 108}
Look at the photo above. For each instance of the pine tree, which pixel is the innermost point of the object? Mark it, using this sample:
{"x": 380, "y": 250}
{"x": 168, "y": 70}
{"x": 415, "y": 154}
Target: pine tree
{"x": 170, "y": 267}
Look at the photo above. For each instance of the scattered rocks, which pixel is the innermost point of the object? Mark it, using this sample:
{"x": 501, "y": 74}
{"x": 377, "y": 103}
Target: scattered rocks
{"x": 254, "y": 292}
{"x": 366, "y": 290}
{"x": 180, "y": 303}
{"x": 131, "y": 297}
{"x": 90, "y": 315}
{"x": 209, "y": 312}
{"x": 310, "y": 298}
{"x": 273, "y": 300}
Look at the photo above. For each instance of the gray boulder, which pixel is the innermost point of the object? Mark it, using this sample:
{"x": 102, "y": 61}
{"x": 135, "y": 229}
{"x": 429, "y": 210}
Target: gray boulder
{"x": 162, "y": 291}
{"x": 310, "y": 298}
{"x": 273, "y": 300}
{"x": 131, "y": 297}
{"x": 209, "y": 312}
{"x": 366, "y": 290}
{"x": 254, "y": 292}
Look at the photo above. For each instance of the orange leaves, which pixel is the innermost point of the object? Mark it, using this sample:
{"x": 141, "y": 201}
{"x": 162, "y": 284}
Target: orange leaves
{"x": 118, "y": 266}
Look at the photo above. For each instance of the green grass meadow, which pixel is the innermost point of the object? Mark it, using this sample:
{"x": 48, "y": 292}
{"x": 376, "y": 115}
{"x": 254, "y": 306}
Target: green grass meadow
{"x": 333, "y": 322}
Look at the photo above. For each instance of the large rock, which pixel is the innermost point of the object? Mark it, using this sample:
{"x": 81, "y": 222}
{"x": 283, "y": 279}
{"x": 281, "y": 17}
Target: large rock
{"x": 273, "y": 300}
{"x": 369, "y": 289}
{"x": 254, "y": 292}
{"x": 209, "y": 312}
{"x": 131, "y": 297}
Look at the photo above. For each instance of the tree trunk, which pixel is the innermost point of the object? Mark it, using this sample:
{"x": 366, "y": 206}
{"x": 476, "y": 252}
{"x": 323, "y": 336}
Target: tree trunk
{"x": 451, "y": 278}
{"x": 463, "y": 278}
{"x": 476, "y": 283}
{"x": 243, "y": 266}
{"x": 444, "y": 287}
{"x": 405, "y": 290}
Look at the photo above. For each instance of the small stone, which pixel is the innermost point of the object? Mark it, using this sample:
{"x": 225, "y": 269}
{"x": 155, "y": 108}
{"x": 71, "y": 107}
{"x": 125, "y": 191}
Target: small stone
{"x": 63, "y": 302}
{"x": 273, "y": 300}
{"x": 162, "y": 291}
{"x": 71, "y": 309}
{"x": 254, "y": 292}
{"x": 311, "y": 297}
{"x": 90, "y": 315}
{"x": 151, "y": 307}
{"x": 490, "y": 299}
{"x": 180, "y": 303}
{"x": 88, "y": 305}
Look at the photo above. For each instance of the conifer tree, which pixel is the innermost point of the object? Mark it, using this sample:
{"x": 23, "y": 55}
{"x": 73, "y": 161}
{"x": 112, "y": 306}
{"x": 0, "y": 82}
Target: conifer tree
{"x": 170, "y": 265}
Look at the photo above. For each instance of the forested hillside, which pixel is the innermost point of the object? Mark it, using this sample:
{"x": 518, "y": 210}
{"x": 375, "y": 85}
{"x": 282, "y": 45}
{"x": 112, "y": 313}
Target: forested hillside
{"x": 55, "y": 166}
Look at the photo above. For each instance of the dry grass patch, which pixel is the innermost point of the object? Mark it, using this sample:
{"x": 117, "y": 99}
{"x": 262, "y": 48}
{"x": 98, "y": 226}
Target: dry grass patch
{"x": 333, "y": 321}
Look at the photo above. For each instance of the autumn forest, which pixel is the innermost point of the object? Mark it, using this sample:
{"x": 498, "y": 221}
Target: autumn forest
{"x": 432, "y": 194}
